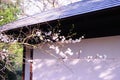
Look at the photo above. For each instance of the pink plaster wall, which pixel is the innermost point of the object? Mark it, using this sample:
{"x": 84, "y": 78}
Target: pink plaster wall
{"x": 91, "y": 59}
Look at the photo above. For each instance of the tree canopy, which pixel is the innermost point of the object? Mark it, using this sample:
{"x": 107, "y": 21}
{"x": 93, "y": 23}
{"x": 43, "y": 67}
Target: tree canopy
{"x": 8, "y": 12}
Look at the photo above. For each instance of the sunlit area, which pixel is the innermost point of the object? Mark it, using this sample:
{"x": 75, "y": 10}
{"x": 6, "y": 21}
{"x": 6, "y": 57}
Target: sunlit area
{"x": 80, "y": 61}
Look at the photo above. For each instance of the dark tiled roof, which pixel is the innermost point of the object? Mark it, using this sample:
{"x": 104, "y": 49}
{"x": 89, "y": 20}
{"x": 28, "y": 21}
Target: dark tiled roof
{"x": 77, "y": 8}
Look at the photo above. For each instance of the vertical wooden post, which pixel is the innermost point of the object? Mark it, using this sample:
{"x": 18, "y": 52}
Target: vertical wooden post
{"x": 27, "y": 55}
{"x": 23, "y": 66}
{"x": 31, "y": 63}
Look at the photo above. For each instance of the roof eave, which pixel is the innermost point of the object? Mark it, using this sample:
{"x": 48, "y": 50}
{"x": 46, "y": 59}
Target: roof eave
{"x": 74, "y": 9}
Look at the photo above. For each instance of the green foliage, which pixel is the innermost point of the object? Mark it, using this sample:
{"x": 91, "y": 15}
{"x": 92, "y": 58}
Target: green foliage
{"x": 7, "y": 71}
{"x": 13, "y": 61}
{"x": 12, "y": 64}
{"x": 16, "y": 49}
{"x": 8, "y": 13}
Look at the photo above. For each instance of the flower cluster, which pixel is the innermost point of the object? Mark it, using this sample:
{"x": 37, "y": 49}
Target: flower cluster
{"x": 54, "y": 37}
{"x": 4, "y": 38}
{"x": 39, "y": 35}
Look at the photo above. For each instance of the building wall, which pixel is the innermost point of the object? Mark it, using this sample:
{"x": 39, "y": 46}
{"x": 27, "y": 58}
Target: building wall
{"x": 90, "y": 59}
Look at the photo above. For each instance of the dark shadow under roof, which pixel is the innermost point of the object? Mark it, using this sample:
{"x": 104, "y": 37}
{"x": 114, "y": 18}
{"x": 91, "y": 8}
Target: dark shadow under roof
{"x": 74, "y": 9}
